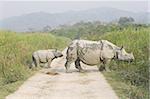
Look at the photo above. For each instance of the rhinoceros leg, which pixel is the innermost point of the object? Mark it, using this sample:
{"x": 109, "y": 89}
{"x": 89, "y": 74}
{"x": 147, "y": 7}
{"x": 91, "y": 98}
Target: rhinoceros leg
{"x": 67, "y": 65}
{"x": 49, "y": 63}
{"x": 36, "y": 61}
{"x": 101, "y": 67}
{"x": 104, "y": 66}
{"x": 78, "y": 66}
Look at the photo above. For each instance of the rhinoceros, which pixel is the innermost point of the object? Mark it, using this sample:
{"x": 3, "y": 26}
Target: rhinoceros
{"x": 97, "y": 53}
{"x": 45, "y": 56}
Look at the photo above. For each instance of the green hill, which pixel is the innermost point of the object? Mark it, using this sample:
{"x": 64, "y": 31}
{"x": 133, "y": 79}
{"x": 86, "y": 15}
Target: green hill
{"x": 22, "y": 23}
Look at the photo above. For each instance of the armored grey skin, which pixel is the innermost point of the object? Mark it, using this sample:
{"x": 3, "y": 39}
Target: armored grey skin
{"x": 95, "y": 53}
{"x": 45, "y": 56}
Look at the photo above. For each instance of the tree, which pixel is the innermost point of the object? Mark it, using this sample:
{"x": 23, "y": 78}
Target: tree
{"x": 31, "y": 30}
{"x": 46, "y": 29}
{"x": 125, "y": 20}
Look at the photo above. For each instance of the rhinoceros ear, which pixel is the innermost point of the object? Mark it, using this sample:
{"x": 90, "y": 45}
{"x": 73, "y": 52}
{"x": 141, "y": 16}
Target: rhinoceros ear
{"x": 121, "y": 47}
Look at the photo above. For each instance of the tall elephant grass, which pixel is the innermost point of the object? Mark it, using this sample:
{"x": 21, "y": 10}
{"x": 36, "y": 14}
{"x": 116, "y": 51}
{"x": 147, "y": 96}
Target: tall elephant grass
{"x": 15, "y": 56}
{"x": 130, "y": 80}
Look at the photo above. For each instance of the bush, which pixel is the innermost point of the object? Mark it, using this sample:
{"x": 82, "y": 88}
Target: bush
{"x": 16, "y": 50}
{"x": 137, "y": 72}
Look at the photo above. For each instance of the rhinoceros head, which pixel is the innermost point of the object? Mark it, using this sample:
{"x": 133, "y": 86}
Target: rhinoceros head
{"x": 124, "y": 56}
{"x": 57, "y": 53}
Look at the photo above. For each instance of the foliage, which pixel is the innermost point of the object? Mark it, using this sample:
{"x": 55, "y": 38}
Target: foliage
{"x": 129, "y": 80}
{"x": 134, "y": 37}
{"x": 15, "y": 54}
{"x": 125, "y": 20}
{"x": 83, "y": 29}
{"x": 136, "y": 74}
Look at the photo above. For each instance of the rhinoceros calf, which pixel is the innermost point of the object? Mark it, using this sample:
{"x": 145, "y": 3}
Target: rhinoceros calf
{"x": 45, "y": 57}
{"x": 95, "y": 53}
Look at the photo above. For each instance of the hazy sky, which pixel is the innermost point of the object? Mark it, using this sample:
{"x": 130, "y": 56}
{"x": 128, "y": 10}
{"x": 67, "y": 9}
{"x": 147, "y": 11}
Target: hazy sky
{"x": 15, "y": 8}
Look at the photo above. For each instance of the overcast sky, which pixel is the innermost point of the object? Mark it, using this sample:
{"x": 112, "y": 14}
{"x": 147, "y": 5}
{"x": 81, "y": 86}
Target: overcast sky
{"x": 15, "y": 8}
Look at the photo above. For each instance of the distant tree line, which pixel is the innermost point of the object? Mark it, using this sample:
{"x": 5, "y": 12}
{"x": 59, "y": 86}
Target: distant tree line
{"x": 126, "y": 20}
{"x": 87, "y": 29}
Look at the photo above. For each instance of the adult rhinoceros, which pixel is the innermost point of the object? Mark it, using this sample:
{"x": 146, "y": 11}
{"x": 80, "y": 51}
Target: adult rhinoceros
{"x": 45, "y": 56}
{"x": 95, "y": 53}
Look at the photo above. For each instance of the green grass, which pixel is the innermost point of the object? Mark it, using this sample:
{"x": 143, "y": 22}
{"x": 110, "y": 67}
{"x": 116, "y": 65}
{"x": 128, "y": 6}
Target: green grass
{"x": 124, "y": 89}
{"x": 15, "y": 56}
{"x": 130, "y": 81}
{"x": 9, "y": 88}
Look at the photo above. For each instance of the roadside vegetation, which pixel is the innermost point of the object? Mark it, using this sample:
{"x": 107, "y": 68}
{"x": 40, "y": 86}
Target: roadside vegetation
{"x": 129, "y": 80}
{"x": 15, "y": 56}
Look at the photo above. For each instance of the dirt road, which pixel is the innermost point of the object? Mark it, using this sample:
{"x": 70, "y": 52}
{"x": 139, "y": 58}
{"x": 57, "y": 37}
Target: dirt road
{"x": 62, "y": 85}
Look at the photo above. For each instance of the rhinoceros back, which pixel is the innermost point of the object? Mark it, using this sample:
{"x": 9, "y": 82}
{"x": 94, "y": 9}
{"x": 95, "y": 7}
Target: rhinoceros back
{"x": 45, "y": 55}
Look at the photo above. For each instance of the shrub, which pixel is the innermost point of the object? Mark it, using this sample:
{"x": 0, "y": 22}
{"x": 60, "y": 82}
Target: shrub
{"x": 16, "y": 50}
